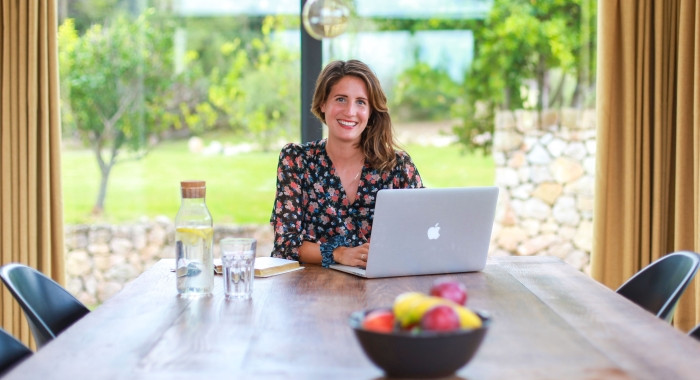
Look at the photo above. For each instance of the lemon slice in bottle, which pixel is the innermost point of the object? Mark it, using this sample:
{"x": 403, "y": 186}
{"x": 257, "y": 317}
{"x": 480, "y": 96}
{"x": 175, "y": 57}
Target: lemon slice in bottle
{"x": 191, "y": 236}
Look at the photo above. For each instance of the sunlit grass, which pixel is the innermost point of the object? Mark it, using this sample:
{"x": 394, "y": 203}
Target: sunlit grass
{"x": 240, "y": 188}
{"x": 449, "y": 167}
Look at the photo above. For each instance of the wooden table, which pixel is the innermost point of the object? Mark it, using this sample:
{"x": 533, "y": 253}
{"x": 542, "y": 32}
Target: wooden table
{"x": 549, "y": 322}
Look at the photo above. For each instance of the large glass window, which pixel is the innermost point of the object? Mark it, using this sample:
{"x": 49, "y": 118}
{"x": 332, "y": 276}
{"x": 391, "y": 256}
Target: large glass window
{"x": 158, "y": 91}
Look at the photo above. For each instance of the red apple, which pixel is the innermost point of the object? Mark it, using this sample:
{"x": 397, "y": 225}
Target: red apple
{"x": 380, "y": 320}
{"x": 440, "y": 318}
{"x": 449, "y": 289}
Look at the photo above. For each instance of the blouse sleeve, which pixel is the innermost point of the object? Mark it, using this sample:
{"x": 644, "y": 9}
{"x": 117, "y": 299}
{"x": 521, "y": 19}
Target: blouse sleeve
{"x": 287, "y": 213}
{"x": 405, "y": 173}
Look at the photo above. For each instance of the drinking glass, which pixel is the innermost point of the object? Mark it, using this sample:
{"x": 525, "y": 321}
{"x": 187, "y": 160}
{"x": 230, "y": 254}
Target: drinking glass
{"x": 238, "y": 265}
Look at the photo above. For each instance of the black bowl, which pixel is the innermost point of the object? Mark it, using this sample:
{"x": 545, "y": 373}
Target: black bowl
{"x": 426, "y": 354}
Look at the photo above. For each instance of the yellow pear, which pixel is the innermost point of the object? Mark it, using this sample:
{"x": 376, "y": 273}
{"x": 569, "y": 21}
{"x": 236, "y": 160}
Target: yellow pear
{"x": 467, "y": 318}
{"x": 404, "y": 304}
{"x": 410, "y": 307}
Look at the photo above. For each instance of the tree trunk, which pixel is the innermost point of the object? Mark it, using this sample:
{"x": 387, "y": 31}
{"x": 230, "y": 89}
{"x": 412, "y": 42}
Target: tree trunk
{"x": 543, "y": 88}
{"x": 542, "y": 84}
{"x": 557, "y": 98}
{"x": 506, "y": 98}
{"x": 98, "y": 209}
{"x": 577, "y": 98}
{"x": 105, "y": 170}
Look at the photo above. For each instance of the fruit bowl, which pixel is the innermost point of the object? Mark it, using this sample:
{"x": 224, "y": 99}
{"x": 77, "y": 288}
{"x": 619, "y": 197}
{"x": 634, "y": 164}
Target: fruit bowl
{"x": 424, "y": 354}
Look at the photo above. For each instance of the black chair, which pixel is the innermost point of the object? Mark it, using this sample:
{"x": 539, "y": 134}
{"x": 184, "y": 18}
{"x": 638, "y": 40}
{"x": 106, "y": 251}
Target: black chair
{"x": 12, "y": 351}
{"x": 658, "y": 286}
{"x": 695, "y": 332}
{"x": 48, "y": 307}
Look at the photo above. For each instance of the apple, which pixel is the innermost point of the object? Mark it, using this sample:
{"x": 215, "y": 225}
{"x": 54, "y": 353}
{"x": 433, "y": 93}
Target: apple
{"x": 449, "y": 289}
{"x": 440, "y": 318}
{"x": 380, "y": 320}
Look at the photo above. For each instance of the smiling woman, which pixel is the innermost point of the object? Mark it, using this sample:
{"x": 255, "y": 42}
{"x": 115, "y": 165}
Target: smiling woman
{"x": 326, "y": 189}
{"x": 345, "y": 112}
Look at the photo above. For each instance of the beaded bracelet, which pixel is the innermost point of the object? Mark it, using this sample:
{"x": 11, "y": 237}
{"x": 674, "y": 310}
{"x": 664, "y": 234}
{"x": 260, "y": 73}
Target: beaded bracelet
{"x": 328, "y": 247}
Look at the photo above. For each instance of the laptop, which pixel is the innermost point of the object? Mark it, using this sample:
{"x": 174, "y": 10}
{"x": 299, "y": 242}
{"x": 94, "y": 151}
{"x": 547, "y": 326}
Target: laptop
{"x": 429, "y": 231}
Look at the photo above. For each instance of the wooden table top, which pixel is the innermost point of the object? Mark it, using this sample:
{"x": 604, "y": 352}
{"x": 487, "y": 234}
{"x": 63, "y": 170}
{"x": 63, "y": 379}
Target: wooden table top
{"x": 549, "y": 321}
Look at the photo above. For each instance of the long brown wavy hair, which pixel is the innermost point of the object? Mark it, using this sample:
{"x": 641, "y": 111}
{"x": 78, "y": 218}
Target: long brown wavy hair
{"x": 377, "y": 140}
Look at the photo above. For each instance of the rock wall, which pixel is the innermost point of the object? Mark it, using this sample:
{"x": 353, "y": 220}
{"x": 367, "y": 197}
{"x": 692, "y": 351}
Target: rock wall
{"x": 101, "y": 258}
{"x": 545, "y": 168}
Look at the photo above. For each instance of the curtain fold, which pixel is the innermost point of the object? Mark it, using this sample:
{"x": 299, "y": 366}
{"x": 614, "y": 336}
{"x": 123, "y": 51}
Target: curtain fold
{"x": 31, "y": 215}
{"x": 687, "y": 184}
{"x": 648, "y": 153}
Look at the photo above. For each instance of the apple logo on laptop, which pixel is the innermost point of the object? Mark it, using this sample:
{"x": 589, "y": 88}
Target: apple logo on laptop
{"x": 434, "y": 232}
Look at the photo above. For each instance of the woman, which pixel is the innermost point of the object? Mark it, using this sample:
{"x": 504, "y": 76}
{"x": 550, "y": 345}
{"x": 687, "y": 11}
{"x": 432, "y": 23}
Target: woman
{"x": 326, "y": 189}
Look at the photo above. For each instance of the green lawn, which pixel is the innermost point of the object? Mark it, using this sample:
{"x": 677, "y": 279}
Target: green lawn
{"x": 240, "y": 188}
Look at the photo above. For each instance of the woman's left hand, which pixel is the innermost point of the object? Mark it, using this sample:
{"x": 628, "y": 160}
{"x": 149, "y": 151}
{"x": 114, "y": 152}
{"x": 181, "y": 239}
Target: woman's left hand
{"x": 353, "y": 256}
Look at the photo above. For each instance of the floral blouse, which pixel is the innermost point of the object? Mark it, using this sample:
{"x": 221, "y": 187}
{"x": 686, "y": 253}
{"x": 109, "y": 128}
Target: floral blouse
{"x": 311, "y": 205}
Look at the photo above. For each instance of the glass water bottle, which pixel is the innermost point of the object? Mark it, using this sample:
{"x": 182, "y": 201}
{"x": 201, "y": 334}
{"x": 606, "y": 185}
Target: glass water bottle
{"x": 194, "y": 235}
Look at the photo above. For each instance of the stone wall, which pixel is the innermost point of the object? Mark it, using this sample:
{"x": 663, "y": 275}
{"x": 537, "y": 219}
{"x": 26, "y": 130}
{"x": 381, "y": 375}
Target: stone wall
{"x": 101, "y": 258}
{"x": 545, "y": 169}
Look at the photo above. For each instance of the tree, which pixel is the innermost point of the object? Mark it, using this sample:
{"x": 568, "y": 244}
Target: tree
{"x": 521, "y": 49}
{"x": 256, "y": 93}
{"x": 424, "y": 93}
{"x": 115, "y": 82}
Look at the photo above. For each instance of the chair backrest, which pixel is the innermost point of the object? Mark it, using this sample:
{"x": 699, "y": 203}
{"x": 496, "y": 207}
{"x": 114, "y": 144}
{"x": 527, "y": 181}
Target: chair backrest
{"x": 48, "y": 307}
{"x": 695, "y": 332}
{"x": 12, "y": 351}
{"x": 658, "y": 286}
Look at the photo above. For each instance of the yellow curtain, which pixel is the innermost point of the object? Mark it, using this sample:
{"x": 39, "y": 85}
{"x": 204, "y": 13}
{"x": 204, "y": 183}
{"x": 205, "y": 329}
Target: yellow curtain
{"x": 31, "y": 216}
{"x": 648, "y": 148}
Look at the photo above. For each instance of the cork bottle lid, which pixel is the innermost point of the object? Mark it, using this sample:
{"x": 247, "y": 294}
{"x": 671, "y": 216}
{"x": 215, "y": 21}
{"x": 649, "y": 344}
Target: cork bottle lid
{"x": 193, "y": 189}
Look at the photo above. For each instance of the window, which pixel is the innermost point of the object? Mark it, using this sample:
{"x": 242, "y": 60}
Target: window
{"x": 158, "y": 91}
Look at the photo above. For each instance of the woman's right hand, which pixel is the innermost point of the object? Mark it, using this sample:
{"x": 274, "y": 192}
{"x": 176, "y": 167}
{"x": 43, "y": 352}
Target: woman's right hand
{"x": 352, "y": 256}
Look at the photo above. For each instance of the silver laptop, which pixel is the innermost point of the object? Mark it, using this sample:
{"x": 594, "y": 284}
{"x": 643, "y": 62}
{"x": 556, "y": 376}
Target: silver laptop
{"x": 429, "y": 231}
